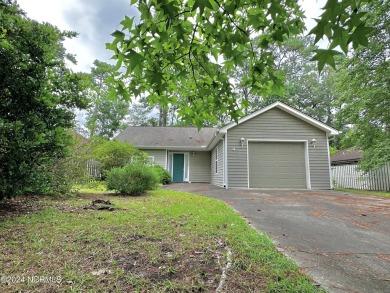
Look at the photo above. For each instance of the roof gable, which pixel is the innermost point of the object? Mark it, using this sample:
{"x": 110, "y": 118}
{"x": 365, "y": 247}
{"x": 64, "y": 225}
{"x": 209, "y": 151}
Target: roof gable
{"x": 283, "y": 107}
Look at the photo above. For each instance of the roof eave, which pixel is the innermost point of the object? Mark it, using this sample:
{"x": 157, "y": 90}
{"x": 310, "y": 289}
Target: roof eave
{"x": 184, "y": 148}
{"x": 217, "y": 137}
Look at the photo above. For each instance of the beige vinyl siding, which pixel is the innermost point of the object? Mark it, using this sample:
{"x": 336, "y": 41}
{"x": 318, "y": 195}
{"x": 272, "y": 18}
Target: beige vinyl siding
{"x": 217, "y": 177}
{"x": 276, "y": 124}
{"x": 159, "y": 156}
{"x": 199, "y": 167}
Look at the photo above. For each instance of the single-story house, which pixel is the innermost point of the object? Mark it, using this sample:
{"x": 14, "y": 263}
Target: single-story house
{"x": 275, "y": 147}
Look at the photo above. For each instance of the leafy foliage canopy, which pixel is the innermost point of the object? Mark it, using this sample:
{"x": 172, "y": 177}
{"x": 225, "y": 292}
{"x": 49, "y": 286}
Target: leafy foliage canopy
{"x": 192, "y": 47}
{"x": 365, "y": 92}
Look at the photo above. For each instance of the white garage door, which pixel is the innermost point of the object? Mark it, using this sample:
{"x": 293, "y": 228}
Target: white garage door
{"x": 277, "y": 165}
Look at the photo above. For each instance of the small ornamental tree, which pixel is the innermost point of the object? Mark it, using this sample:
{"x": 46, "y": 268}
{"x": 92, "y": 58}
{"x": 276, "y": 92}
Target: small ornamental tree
{"x": 114, "y": 154}
{"x": 64, "y": 172}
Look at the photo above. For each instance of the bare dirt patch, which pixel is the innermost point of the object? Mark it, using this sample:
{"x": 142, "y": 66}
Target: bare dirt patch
{"x": 20, "y": 206}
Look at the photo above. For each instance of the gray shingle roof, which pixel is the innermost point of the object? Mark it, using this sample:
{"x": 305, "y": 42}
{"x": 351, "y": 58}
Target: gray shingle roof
{"x": 166, "y": 137}
{"x": 346, "y": 156}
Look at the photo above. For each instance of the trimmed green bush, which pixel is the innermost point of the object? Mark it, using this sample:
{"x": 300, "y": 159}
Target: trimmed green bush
{"x": 132, "y": 179}
{"x": 165, "y": 177}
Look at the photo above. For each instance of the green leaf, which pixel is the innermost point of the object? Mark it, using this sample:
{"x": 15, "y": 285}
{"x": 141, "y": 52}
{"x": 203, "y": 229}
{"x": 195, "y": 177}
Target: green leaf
{"x": 134, "y": 58}
{"x": 325, "y": 57}
{"x": 112, "y": 94}
{"x": 127, "y": 23}
{"x": 118, "y": 34}
{"x": 201, "y": 4}
{"x": 340, "y": 38}
{"x": 3, "y": 32}
{"x": 360, "y": 36}
{"x": 110, "y": 46}
{"x": 169, "y": 9}
{"x": 318, "y": 30}
{"x": 355, "y": 19}
{"x": 333, "y": 9}
{"x": 278, "y": 35}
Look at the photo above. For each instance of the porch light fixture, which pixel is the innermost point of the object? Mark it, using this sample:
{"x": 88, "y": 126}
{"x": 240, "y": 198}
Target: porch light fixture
{"x": 242, "y": 140}
{"x": 313, "y": 142}
{"x": 193, "y": 153}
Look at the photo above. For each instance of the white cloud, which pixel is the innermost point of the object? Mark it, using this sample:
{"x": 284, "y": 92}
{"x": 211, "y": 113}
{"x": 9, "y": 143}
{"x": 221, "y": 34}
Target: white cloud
{"x": 47, "y": 11}
{"x": 312, "y": 10}
{"x": 94, "y": 20}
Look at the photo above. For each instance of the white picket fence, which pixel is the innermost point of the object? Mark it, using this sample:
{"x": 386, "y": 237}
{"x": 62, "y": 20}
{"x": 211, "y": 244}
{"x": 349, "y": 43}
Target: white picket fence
{"x": 348, "y": 176}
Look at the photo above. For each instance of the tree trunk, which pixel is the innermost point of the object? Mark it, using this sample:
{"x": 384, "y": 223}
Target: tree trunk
{"x": 162, "y": 121}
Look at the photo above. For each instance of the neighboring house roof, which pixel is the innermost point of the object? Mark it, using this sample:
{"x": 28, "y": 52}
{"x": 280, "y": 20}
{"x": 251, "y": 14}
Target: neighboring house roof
{"x": 288, "y": 109}
{"x": 167, "y": 137}
{"x": 347, "y": 156}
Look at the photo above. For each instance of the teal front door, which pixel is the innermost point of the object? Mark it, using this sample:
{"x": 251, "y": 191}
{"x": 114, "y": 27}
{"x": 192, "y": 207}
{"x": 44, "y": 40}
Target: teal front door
{"x": 178, "y": 167}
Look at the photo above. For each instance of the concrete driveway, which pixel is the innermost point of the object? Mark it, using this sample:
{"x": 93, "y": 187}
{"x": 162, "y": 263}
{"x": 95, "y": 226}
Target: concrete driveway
{"x": 341, "y": 240}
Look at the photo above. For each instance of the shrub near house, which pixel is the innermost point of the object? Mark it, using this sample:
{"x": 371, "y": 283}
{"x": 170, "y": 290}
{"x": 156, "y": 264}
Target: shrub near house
{"x": 165, "y": 177}
{"x": 132, "y": 179}
{"x": 127, "y": 169}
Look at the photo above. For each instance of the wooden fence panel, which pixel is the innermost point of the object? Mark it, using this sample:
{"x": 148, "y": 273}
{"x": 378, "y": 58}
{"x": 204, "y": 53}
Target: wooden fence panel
{"x": 93, "y": 168}
{"x": 348, "y": 176}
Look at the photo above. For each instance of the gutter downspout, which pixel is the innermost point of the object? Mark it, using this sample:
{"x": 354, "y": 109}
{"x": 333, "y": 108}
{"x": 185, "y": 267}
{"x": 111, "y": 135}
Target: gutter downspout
{"x": 225, "y": 183}
{"x": 329, "y": 163}
{"x": 223, "y": 161}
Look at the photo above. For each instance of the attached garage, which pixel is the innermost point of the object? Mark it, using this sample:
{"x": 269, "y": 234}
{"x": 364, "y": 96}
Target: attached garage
{"x": 277, "y": 147}
{"x": 277, "y": 164}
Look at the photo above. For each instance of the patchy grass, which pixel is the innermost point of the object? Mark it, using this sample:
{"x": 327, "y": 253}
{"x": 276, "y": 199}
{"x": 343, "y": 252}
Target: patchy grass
{"x": 96, "y": 187}
{"x": 165, "y": 241}
{"x": 364, "y": 192}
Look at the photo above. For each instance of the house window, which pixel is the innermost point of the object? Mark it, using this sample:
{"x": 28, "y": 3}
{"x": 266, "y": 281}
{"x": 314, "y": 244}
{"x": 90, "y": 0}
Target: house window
{"x": 150, "y": 160}
{"x": 216, "y": 159}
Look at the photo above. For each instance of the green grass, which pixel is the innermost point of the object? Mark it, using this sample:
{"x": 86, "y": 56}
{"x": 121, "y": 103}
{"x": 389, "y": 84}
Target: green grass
{"x": 365, "y": 192}
{"x": 165, "y": 241}
{"x": 95, "y": 187}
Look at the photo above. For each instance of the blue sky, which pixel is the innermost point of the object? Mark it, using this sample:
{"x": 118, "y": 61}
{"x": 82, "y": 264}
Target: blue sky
{"x": 95, "y": 20}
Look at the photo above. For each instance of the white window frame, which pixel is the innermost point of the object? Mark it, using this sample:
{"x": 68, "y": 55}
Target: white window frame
{"x": 186, "y": 174}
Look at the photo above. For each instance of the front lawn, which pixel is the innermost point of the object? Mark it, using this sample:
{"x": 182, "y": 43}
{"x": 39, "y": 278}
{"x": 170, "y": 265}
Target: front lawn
{"x": 165, "y": 241}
